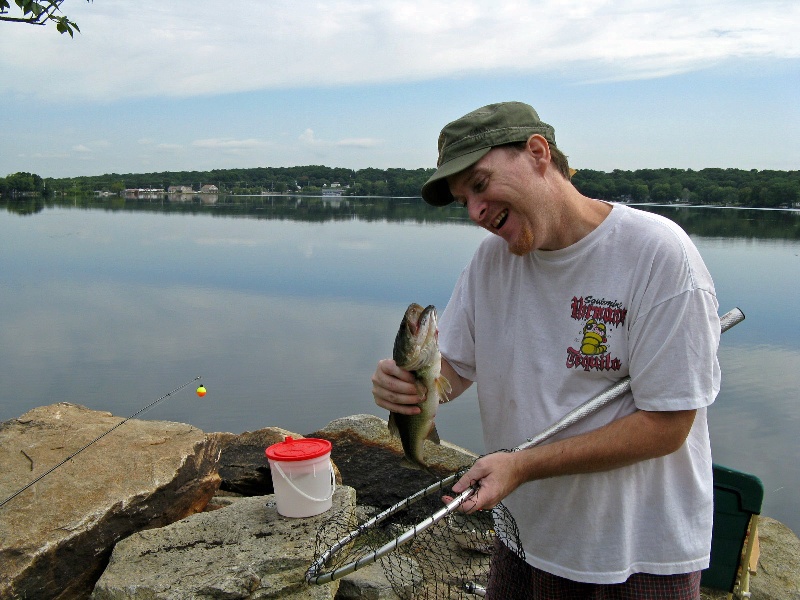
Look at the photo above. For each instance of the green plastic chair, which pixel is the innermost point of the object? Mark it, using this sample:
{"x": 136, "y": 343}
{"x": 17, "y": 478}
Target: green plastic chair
{"x": 734, "y": 543}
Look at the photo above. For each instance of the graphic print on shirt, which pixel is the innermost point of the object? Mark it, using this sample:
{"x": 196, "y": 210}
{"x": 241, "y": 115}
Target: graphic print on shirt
{"x": 599, "y": 319}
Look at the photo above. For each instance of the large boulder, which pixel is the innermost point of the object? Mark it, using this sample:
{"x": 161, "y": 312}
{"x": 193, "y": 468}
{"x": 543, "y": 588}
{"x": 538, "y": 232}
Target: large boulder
{"x": 778, "y": 575}
{"x": 57, "y": 535}
{"x": 243, "y": 551}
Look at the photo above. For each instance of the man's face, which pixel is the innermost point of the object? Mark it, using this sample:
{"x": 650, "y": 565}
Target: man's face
{"x": 501, "y": 192}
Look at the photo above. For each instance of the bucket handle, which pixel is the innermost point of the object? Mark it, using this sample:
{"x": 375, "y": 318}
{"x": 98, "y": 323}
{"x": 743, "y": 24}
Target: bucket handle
{"x": 301, "y": 492}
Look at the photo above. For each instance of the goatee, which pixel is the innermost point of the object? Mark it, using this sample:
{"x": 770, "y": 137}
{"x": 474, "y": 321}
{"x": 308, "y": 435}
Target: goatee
{"x": 523, "y": 244}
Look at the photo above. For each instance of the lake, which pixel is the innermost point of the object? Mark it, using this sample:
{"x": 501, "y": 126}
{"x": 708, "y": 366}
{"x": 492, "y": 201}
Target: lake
{"x": 283, "y": 305}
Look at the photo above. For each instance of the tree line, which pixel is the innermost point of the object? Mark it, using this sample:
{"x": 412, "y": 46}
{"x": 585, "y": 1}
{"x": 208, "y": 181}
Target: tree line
{"x": 713, "y": 186}
{"x": 726, "y": 187}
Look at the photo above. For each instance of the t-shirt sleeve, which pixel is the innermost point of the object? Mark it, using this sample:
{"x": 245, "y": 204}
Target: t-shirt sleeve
{"x": 457, "y": 329}
{"x": 673, "y": 362}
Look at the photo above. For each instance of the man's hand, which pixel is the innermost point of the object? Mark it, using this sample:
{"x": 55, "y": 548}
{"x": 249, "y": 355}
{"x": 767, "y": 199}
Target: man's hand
{"x": 393, "y": 388}
{"x": 497, "y": 475}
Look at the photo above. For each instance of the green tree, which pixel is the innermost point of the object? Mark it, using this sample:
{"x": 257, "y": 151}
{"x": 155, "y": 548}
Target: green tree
{"x": 38, "y": 12}
{"x": 661, "y": 192}
{"x": 23, "y": 182}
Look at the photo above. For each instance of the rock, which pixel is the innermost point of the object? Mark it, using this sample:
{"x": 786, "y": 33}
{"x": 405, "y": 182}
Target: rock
{"x": 243, "y": 551}
{"x": 778, "y": 575}
{"x": 56, "y": 537}
{"x": 368, "y": 583}
{"x": 368, "y": 458}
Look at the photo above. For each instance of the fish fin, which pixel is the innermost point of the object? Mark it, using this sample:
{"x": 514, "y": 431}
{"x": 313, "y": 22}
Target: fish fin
{"x": 444, "y": 388}
{"x": 393, "y": 429}
{"x": 410, "y": 464}
{"x": 433, "y": 435}
{"x": 415, "y": 466}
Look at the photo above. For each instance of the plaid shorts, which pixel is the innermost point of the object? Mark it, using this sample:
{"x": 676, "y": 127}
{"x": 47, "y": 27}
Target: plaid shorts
{"x": 511, "y": 578}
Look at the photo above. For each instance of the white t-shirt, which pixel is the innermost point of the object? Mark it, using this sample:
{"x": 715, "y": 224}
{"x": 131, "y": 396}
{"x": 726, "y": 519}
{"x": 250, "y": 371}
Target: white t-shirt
{"x": 542, "y": 333}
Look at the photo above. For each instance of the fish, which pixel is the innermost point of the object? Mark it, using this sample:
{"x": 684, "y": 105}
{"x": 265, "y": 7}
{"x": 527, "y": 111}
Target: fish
{"x": 416, "y": 349}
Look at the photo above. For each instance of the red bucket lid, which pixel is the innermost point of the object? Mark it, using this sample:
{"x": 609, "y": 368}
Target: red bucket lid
{"x": 303, "y": 449}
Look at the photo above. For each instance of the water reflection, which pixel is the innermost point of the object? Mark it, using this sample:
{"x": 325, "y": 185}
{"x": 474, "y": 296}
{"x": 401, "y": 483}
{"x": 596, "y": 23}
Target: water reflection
{"x": 284, "y": 305}
{"x": 702, "y": 221}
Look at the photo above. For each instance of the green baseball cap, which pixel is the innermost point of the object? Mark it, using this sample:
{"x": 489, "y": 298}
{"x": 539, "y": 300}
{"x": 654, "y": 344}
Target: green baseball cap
{"x": 465, "y": 141}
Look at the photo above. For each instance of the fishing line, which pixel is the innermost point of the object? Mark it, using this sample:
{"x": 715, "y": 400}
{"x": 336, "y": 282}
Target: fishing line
{"x": 99, "y": 437}
{"x": 344, "y": 556}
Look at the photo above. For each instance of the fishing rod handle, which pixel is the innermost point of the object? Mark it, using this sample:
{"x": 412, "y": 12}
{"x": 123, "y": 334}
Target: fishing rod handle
{"x": 730, "y": 318}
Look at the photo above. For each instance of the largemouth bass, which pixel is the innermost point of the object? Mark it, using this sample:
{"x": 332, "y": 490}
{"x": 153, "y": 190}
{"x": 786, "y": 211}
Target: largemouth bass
{"x": 416, "y": 349}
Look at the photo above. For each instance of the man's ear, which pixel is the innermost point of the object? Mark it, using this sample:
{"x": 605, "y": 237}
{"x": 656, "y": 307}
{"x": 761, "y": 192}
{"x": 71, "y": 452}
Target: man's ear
{"x": 539, "y": 150}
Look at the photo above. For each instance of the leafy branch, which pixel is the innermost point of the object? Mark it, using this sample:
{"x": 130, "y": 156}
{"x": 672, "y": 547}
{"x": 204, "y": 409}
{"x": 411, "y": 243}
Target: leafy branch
{"x": 39, "y": 12}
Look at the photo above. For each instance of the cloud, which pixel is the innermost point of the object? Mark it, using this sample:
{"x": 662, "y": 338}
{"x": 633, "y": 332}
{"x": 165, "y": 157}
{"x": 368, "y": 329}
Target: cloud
{"x": 230, "y": 146}
{"x": 173, "y": 49}
{"x": 359, "y": 142}
{"x": 47, "y": 155}
{"x": 309, "y": 138}
{"x": 81, "y": 148}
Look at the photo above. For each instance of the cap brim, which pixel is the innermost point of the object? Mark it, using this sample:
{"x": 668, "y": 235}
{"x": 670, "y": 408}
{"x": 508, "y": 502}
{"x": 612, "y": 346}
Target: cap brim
{"x": 435, "y": 191}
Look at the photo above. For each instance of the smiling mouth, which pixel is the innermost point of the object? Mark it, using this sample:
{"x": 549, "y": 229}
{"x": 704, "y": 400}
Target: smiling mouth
{"x": 500, "y": 219}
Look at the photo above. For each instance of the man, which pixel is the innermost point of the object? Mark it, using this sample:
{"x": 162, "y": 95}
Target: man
{"x": 569, "y": 295}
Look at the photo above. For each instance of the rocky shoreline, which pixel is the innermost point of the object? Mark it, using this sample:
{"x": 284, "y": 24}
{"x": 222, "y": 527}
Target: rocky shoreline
{"x": 164, "y": 510}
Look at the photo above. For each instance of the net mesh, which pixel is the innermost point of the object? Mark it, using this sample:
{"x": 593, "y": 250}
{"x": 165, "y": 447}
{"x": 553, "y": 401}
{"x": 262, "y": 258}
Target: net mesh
{"x": 450, "y": 559}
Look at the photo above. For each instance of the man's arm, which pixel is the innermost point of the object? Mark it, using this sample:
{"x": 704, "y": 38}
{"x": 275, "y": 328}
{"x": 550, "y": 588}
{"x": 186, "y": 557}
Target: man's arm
{"x": 639, "y": 436}
{"x": 458, "y": 383}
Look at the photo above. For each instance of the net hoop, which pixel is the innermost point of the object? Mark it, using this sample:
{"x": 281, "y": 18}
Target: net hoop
{"x": 314, "y": 573}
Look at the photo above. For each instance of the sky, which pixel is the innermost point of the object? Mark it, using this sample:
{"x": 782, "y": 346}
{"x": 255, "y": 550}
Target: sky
{"x": 152, "y": 86}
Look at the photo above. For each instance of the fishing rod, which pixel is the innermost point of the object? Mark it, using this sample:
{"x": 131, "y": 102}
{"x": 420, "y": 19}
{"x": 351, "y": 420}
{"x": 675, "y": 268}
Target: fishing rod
{"x": 99, "y": 437}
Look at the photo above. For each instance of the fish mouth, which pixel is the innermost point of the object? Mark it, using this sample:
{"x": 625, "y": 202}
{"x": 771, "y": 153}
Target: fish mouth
{"x": 500, "y": 219}
{"x": 416, "y": 340}
{"x": 414, "y": 318}
{"x": 427, "y": 320}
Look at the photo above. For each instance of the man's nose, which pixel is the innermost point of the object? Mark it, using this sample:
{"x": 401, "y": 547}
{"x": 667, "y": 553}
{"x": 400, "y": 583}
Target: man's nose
{"x": 477, "y": 209}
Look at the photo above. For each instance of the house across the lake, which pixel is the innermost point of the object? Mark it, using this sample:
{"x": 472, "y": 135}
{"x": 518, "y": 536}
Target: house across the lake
{"x": 209, "y": 189}
{"x": 143, "y": 193}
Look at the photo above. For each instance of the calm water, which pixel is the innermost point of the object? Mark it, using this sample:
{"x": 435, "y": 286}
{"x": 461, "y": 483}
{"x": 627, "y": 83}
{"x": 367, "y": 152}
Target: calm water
{"x": 284, "y": 307}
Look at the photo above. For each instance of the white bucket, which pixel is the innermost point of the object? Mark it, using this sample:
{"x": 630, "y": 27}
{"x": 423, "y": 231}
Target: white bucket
{"x": 302, "y": 475}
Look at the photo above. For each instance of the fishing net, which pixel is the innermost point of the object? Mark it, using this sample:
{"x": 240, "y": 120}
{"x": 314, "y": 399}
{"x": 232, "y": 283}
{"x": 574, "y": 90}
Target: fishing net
{"x": 426, "y": 550}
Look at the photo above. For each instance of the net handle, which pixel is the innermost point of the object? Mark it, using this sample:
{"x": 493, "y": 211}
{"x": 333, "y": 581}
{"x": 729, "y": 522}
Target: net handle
{"x": 620, "y": 388}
